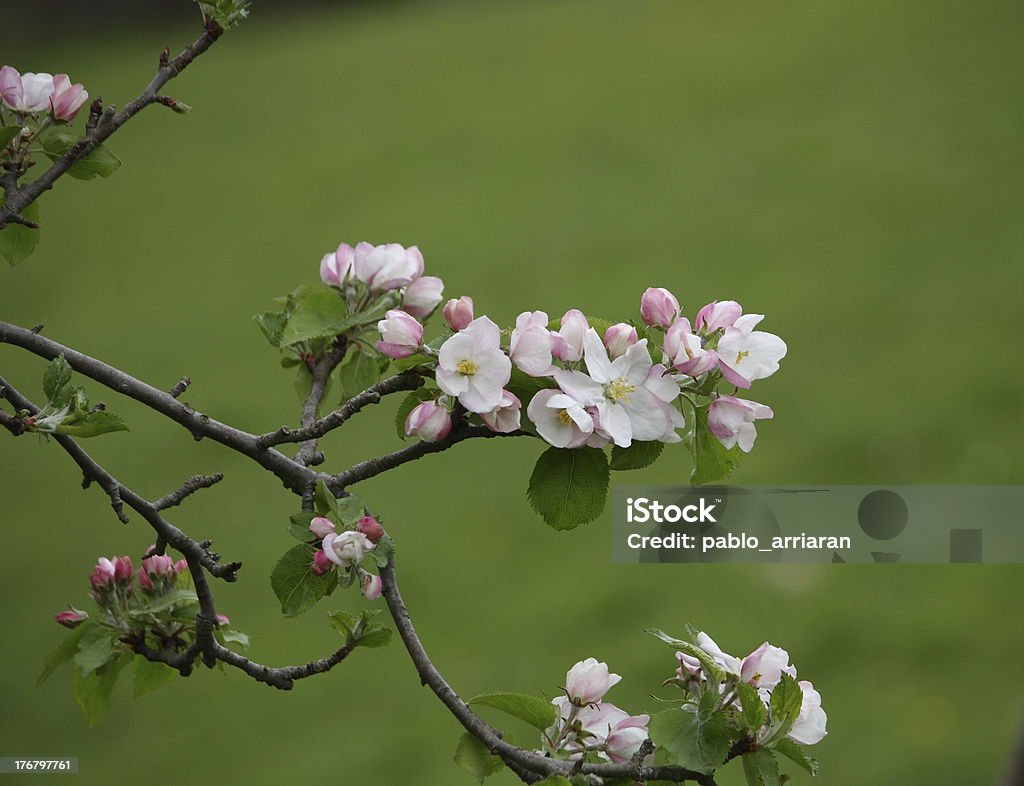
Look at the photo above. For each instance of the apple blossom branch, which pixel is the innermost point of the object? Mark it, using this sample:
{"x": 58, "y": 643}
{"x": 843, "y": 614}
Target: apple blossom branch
{"x": 103, "y": 123}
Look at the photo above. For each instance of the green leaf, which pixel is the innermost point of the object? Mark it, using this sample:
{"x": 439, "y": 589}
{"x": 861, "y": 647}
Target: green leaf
{"x": 319, "y": 313}
{"x": 712, "y": 461}
{"x": 298, "y": 526}
{"x": 349, "y": 509}
{"x": 693, "y": 737}
{"x": 360, "y": 370}
{"x": 7, "y": 133}
{"x": 162, "y": 602}
{"x": 294, "y": 583}
{"x": 383, "y": 551}
{"x": 149, "y": 675}
{"x": 231, "y": 636}
{"x": 536, "y": 711}
{"x": 64, "y": 651}
{"x": 96, "y": 648}
{"x": 375, "y": 636}
{"x": 409, "y": 403}
{"x": 473, "y": 756}
{"x": 92, "y": 691}
{"x": 99, "y": 162}
{"x": 17, "y": 242}
{"x": 637, "y": 456}
{"x": 227, "y": 13}
{"x": 325, "y": 502}
{"x": 93, "y": 424}
{"x": 754, "y": 713}
{"x": 360, "y": 631}
{"x": 711, "y": 669}
{"x": 787, "y": 697}
{"x": 791, "y": 750}
{"x": 760, "y": 768}
{"x": 272, "y": 324}
{"x": 568, "y": 487}
{"x": 56, "y": 376}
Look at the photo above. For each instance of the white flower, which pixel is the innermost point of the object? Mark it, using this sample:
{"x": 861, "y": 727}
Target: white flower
{"x": 560, "y": 419}
{"x": 731, "y": 420}
{"x": 631, "y": 403}
{"x": 588, "y": 680}
{"x": 809, "y": 727}
{"x": 728, "y": 663}
{"x": 764, "y": 667}
{"x": 472, "y": 366}
{"x": 347, "y": 548}
{"x": 531, "y": 344}
{"x": 745, "y": 354}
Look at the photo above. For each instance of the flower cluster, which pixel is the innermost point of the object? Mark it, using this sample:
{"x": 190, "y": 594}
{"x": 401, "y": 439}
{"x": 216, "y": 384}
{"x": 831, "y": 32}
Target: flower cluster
{"x": 33, "y": 94}
{"x": 346, "y": 550}
{"x": 589, "y": 728}
{"x": 764, "y": 670}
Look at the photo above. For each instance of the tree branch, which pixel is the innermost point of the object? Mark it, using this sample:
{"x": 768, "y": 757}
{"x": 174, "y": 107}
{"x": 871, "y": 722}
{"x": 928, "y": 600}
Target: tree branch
{"x": 189, "y": 487}
{"x": 106, "y": 124}
{"x": 321, "y": 375}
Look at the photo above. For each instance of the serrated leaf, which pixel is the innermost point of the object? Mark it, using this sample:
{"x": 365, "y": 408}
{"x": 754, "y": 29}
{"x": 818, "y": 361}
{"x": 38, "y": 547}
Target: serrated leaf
{"x": 325, "y": 502}
{"x": 298, "y": 526}
{"x": 360, "y": 631}
{"x": 794, "y": 752}
{"x": 93, "y": 424}
{"x": 711, "y": 669}
{"x": 231, "y": 636}
{"x": 319, "y": 313}
{"x": 96, "y": 648}
{"x": 754, "y": 713}
{"x": 383, "y": 551}
{"x": 375, "y": 636}
{"x": 568, "y": 487}
{"x": 784, "y": 705}
{"x": 359, "y": 371}
{"x": 101, "y": 161}
{"x": 93, "y": 691}
{"x": 294, "y": 583}
{"x": 149, "y": 675}
{"x": 536, "y": 711}
{"x": 56, "y": 376}
{"x": 473, "y": 756}
{"x": 691, "y": 737}
{"x": 409, "y": 403}
{"x": 64, "y": 651}
{"x": 760, "y": 768}
{"x": 272, "y": 324}
{"x": 712, "y": 461}
{"x": 162, "y": 602}
{"x": 637, "y": 456}
{"x": 17, "y": 241}
{"x": 349, "y": 509}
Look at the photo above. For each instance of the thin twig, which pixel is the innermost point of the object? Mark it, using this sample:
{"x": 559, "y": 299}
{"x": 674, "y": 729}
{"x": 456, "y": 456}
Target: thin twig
{"x": 189, "y": 487}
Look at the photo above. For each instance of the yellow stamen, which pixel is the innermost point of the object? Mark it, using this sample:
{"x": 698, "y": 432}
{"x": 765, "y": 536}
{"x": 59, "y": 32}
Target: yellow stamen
{"x": 564, "y": 418}
{"x": 741, "y": 355}
{"x": 467, "y": 367}
{"x": 619, "y": 390}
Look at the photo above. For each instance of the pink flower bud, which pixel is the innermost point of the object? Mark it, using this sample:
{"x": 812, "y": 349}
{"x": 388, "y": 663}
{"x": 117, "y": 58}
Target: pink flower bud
{"x": 458, "y": 313}
{"x": 370, "y": 585}
{"x": 531, "y": 344}
{"x": 588, "y": 681}
{"x": 618, "y": 338}
{"x": 335, "y": 267}
{"x": 506, "y": 417}
{"x": 717, "y": 315}
{"x": 385, "y": 267}
{"x": 731, "y": 420}
{"x": 321, "y": 564}
{"x": 103, "y": 574}
{"x": 321, "y": 527}
{"x": 159, "y": 567}
{"x": 686, "y": 350}
{"x": 72, "y": 618}
{"x": 401, "y": 335}
{"x": 10, "y": 86}
{"x": 569, "y": 338}
{"x": 123, "y": 568}
{"x": 223, "y": 619}
{"x": 659, "y": 307}
{"x": 429, "y": 421}
{"x": 181, "y": 566}
{"x": 422, "y": 296}
{"x": 370, "y": 527}
{"x": 67, "y": 98}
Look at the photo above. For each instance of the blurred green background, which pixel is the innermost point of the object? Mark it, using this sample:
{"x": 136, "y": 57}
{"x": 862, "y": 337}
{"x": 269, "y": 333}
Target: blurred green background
{"x": 853, "y": 170}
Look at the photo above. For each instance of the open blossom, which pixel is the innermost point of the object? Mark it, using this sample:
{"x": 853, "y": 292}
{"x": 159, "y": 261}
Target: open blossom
{"x": 429, "y": 421}
{"x": 71, "y": 618}
{"x": 731, "y": 420}
{"x": 321, "y": 527}
{"x": 568, "y": 341}
{"x": 626, "y": 737}
{"x": 400, "y": 334}
{"x": 764, "y": 667}
{"x": 717, "y": 315}
{"x": 320, "y": 563}
{"x": 335, "y": 267}
{"x": 370, "y": 527}
{"x": 389, "y": 266}
{"x": 560, "y": 419}
{"x": 631, "y": 402}
{"x": 347, "y": 548}
{"x": 67, "y": 98}
{"x": 809, "y": 727}
{"x": 370, "y": 585}
{"x": 422, "y": 296}
{"x": 25, "y": 92}
{"x": 588, "y": 680}
{"x": 504, "y": 418}
{"x": 618, "y": 338}
{"x": 605, "y": 727}
{"x": 659, "y": 307}
{"x": 472, "y": 366}
{"x": 685, "y": 350}
{"x": 746, "y": 354}
{"x": 458, "y": 312}
{"x": 531, "y": 344}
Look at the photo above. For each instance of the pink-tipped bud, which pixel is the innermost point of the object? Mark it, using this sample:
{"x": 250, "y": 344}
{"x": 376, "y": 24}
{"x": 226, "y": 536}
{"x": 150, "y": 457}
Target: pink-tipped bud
{"x": 67, "y": 98}
{"x": 618, "y": 338}
{"x": 422, "y": 296}
{"x": 123, "y": 569}
{"x": 659, "y": 307}
{"x": 159, "y": 567}
{"x": 102, "y": 574}
{"x": 400, "y": 334}
{"x": 717, "y": 315}
{"x": 429, "y": 421}
{"x": 223, "y": 619}
{"x": 321, "y": 527}
{"x": 320, "y": 564}
{"x": 181, "y": 566}
{"x": 370, "y": 585}
{"x": 370, "y": 527}
{"x": 71, "y": 618}
{"x": 458, "y": 313}
{"x": 335, "y": 267}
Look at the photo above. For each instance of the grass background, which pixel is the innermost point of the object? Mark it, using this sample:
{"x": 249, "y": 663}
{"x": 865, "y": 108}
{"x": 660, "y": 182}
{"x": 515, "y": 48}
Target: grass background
{"x": 851, "y": 170}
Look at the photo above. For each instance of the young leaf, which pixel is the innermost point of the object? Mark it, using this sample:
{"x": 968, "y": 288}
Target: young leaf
{"x": 325, "y": 502}
{"x": 637, "y": 456}
{"x": 93, "y": 424}
{"x": 568, "y": 487}
{"x": 92, "y": 691}
{"x": 56, "y": 376}
{"x": 64, "y": 651}
{"x": 712, "y": 461}
{"x": 298, "y": 526}
{"x": 787, "y": 697}
{"x": 383, "y": 551}
{"x": 536, "y": 711}
{"x": 473, "y": 756}
{"x": 761, "y": 768}
{"x": 96, "y": 648}
{"x": 360, "y": 370}
{"x": 318, "y": 314}
{"x": 294, "y": 583}
{"x": 693, "y": 737}
{"x": 360, "y": 631}
{"x": 754, "y": 713}
{"x": 707, "y": 664}
{"x": 7, "y": 133}
{"x": 166, "y": 601}
{"x": 99, "y": 162}
{"x": 272, "y": 324}
{"x": 796, "y": 753}
{"x": 149, "y": 675}
{"x": 349, "y": 509}
{"x": 17, "y": 241}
